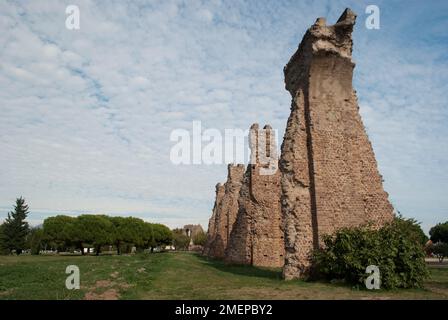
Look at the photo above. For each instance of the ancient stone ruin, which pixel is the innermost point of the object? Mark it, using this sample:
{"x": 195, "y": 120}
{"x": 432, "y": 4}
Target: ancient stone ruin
{"x": 192, "y": 230}
{"x": 224, "y": 212}
{"x": 328, "y": 177}
{"x": 211, "y": 231}
{"x": 329, "y": 172}
{"x": 257, "y": 237}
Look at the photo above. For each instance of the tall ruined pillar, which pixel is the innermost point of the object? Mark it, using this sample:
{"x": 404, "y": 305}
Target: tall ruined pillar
{"x": 226, "y": 210}
{"x": 257, "y": 236}
{"x": 329, "y": 172}
{"x": 230, "y": 201}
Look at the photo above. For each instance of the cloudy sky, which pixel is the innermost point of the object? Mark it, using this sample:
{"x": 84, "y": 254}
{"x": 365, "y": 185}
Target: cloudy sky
{"x": 86, "y": 115}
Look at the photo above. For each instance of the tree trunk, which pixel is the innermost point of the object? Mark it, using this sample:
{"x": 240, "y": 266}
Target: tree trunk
{"x": 118, "y": 247}
{"x": 98, "y": 248}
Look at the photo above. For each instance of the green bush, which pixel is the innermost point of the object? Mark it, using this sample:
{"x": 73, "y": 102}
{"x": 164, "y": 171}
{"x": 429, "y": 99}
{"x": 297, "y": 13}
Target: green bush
{"x": 394, "y": 248}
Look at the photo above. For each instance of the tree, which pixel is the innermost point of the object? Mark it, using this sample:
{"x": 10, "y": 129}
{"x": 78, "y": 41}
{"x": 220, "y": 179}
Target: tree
{"x": 439, "y": 233}
{"x": 128, "y": 230}
{"x": 200, "y": 238}
{"x": 3, "y": 249}
{"x": 150, "y": 236}
{"x": 120, "y": 231}
{"x": 157, "y": 235}
{"x": 59, "y": 232}
{"x": 180, "y": 240}
{"x": 95, "y": 230}
{"x": 15, "y": 228}
{"x": 35, "y": 240}
{"x": 163, "y": 235}
{"x": 440, "y": 250}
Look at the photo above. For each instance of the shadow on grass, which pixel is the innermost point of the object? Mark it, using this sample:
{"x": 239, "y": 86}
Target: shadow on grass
{"x": 244, "y": 270}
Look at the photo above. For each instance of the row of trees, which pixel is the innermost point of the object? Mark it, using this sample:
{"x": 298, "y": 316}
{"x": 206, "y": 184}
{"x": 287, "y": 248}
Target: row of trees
{"x": 64, "y": 233}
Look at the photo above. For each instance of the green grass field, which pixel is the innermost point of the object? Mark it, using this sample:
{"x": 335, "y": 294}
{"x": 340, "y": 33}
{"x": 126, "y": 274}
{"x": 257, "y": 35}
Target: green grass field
{"x": 178, "y": 276}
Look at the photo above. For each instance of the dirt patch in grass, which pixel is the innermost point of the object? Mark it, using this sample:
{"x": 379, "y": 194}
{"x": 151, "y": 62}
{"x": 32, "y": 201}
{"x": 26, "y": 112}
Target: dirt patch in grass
{"x": 112, "y": 291}
{"x": 438, "y": 289}
{"x": 109, "y": 294}
{"x": 124, "y": 285}
{"x": 6, "y": 292}
{"x": 103, "y": 284}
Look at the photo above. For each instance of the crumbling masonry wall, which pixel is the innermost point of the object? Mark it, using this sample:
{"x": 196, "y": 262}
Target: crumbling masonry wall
{"x": 211, "y": 231}
{"x": 329, "y": 172}
{"x": 225, "y": 211}
{"x": 257, "y": 236}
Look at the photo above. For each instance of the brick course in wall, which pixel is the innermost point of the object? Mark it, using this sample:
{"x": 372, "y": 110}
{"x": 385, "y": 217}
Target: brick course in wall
{"x": 211, "y": 231}
{"x": 224, "y": 212}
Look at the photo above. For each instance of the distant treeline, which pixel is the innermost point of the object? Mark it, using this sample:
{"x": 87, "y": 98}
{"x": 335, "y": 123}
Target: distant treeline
{"x": 65, "y": 233}
{"x": 68, "y": 234}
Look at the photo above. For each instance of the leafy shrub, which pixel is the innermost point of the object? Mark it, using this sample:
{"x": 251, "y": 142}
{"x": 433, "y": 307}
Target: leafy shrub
{"x": 412, "y": 229}
{"x": 394, "y": 248}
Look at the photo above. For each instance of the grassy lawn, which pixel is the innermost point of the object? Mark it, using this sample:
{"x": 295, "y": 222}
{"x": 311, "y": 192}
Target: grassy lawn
{"x": 177, "y": 276}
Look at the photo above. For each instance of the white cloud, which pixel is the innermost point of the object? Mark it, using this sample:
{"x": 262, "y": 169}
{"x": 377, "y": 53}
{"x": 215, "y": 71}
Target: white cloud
{"x": 86, "y": 115}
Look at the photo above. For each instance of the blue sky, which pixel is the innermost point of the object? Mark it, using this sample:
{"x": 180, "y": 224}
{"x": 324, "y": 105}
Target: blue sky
{"x": 87, "y": 114}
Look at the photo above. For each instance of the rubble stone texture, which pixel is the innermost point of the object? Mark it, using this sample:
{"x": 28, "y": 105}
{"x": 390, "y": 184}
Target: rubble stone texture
{"x": 225, "y": 212}
{"x": 329, "y": 172}
{"x": 211, "y": 231}
{"x": 257, "y": 237}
